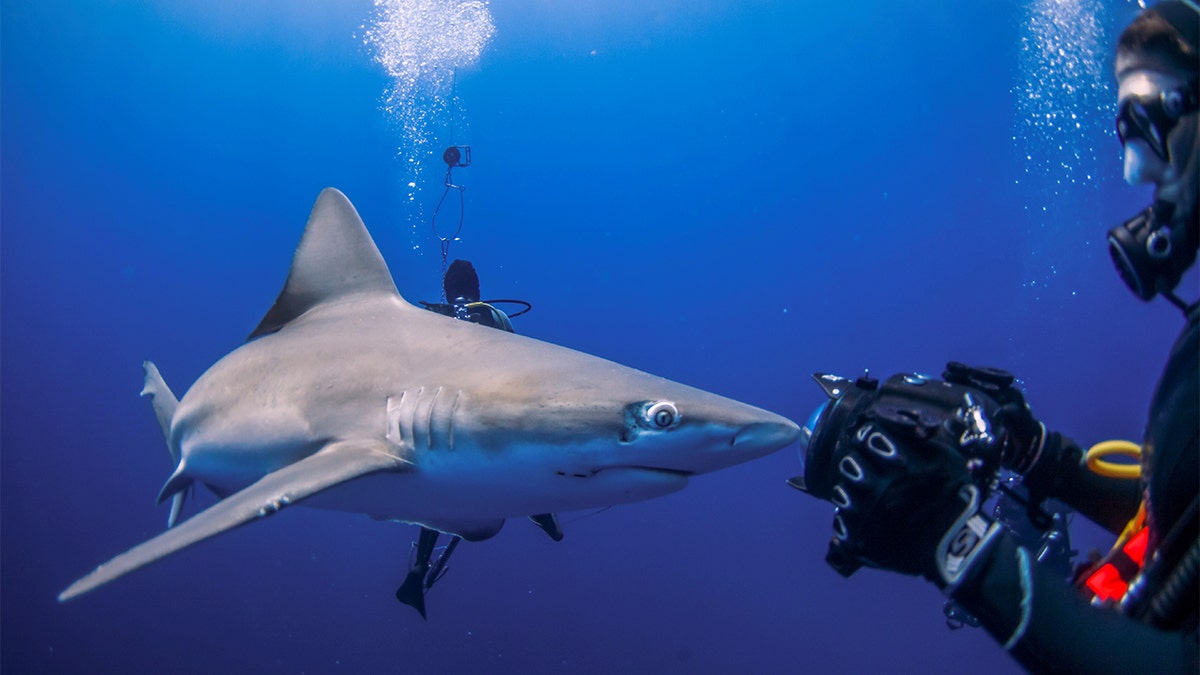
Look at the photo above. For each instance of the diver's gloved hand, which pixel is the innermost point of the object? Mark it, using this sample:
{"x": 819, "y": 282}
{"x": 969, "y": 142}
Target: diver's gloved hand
{"x": 1024, "y": 436}
{"x": 906, "y": 503}
{"x": 1027, "y": 448}
{"x": 1030, "y": 450}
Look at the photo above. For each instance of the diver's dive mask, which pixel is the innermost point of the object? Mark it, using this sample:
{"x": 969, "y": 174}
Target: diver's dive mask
{"x": 1151, "y": 253}
{"x": 1152, "y": 117}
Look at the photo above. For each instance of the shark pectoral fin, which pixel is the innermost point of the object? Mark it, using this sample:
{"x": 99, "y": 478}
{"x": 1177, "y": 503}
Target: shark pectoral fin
{"x": 549, "y": 523}
{"x": 333, "y": 464}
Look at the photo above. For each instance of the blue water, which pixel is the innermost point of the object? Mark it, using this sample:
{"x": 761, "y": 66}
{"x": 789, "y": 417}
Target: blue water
{"x": 731, "y": 194}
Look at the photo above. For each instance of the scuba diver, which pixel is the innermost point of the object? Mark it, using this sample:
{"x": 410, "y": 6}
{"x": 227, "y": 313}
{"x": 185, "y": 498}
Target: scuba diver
{"x": 460, "y": 300}
{"x": 461, "y": 286}
{"x": 909, "y": 462}
{"x": 460, "y": 283}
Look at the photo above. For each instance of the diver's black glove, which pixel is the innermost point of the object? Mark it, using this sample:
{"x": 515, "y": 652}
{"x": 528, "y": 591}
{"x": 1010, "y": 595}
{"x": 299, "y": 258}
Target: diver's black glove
{"x": 1040, "y": 457}
{"x": 906, "y": 502}
{"x": 1026, "y": 447}
{"x": 1024, "y": 437}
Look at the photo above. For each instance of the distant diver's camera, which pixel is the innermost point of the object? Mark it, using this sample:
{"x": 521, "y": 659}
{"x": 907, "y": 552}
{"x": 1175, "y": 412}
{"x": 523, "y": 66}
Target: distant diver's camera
{"x": 457, "y": 155}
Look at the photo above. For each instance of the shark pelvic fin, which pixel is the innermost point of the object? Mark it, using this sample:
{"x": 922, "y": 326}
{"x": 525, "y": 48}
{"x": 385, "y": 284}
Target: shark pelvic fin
{"x": 333, "y": 464}
{"x": 549, "y": 524}
{"x": 176, "y": 485}
{"x": 336, "y": 258}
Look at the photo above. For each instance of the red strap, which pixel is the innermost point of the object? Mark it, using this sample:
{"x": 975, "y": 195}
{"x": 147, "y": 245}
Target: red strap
{"x": 1111, "y": 580}
{"x": 1135, "y": 548}
{"x": 1106, "y": 583}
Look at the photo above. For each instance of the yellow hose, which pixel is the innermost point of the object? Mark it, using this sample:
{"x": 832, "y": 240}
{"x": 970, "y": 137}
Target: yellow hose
{"x": 1097, "y": 463}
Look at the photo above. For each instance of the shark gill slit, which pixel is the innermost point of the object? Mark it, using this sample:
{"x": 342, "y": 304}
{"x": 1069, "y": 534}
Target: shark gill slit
{"x": 429, "y": 418}
{"x": 405, "y": 420}
{"x": 450, "y": 421}
{"x": 390, "y": 420}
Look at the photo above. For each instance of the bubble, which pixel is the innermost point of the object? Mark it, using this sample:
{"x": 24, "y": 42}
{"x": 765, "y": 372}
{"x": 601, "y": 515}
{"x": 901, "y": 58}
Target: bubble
{"x": 1065, "y": 101}
{"x": 1063, "y": 76}
{"x": 421, "y": 45}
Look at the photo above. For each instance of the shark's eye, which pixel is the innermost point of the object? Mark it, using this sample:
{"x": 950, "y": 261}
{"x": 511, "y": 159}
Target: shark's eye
{"x": 661, "y": 415}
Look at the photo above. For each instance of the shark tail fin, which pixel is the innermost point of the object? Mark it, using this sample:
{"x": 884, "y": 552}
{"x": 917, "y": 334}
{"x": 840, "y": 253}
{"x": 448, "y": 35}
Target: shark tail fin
{"x": 164, "y": 402}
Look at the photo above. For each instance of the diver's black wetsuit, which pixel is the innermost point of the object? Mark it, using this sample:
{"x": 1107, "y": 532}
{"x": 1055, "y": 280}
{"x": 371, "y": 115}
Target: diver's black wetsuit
{"x": 1157, "y": 632}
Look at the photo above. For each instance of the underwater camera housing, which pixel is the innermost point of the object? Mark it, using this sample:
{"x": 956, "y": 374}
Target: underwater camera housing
{"x": 960, "y": 412}
{"x": 457, "y": 155}
{"x": 964, "y": 412}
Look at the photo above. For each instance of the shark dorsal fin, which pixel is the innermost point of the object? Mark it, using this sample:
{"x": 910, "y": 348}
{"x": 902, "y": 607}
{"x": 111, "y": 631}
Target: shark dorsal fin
{"x": 336, "y": 258}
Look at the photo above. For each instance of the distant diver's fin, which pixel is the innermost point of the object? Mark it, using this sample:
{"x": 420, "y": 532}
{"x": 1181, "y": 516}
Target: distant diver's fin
{"x": 439, "y": 568}
{"x": 335, "y": 463}
{"x": 549, "y": 524}
{"x": 412, "y": 591}
{"x": 421, "y": 574}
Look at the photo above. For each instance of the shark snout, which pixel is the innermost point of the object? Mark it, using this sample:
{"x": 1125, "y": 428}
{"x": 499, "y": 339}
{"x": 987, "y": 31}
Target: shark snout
{"x": 748, "y": 441}
{"x": 766, "y": 437}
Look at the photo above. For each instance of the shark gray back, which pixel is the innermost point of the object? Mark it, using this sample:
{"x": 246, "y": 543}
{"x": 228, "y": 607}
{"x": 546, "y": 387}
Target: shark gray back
{"x": 347, "y": 397}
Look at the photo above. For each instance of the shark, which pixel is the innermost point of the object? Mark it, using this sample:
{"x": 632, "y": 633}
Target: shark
{"x": 348, "y": 397}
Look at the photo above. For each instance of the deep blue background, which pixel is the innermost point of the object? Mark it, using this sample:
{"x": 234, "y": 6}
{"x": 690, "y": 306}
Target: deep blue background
{"x": 729, "y": 194}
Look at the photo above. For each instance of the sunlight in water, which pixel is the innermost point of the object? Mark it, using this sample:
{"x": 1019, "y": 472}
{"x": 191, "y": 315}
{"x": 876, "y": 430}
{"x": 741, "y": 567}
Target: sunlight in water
{"x": 421, "y": 44}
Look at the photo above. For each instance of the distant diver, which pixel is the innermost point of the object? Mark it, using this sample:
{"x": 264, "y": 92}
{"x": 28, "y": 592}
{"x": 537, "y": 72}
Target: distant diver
{"x": 461, "y": 287}
{"x": 460, "y": 300}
